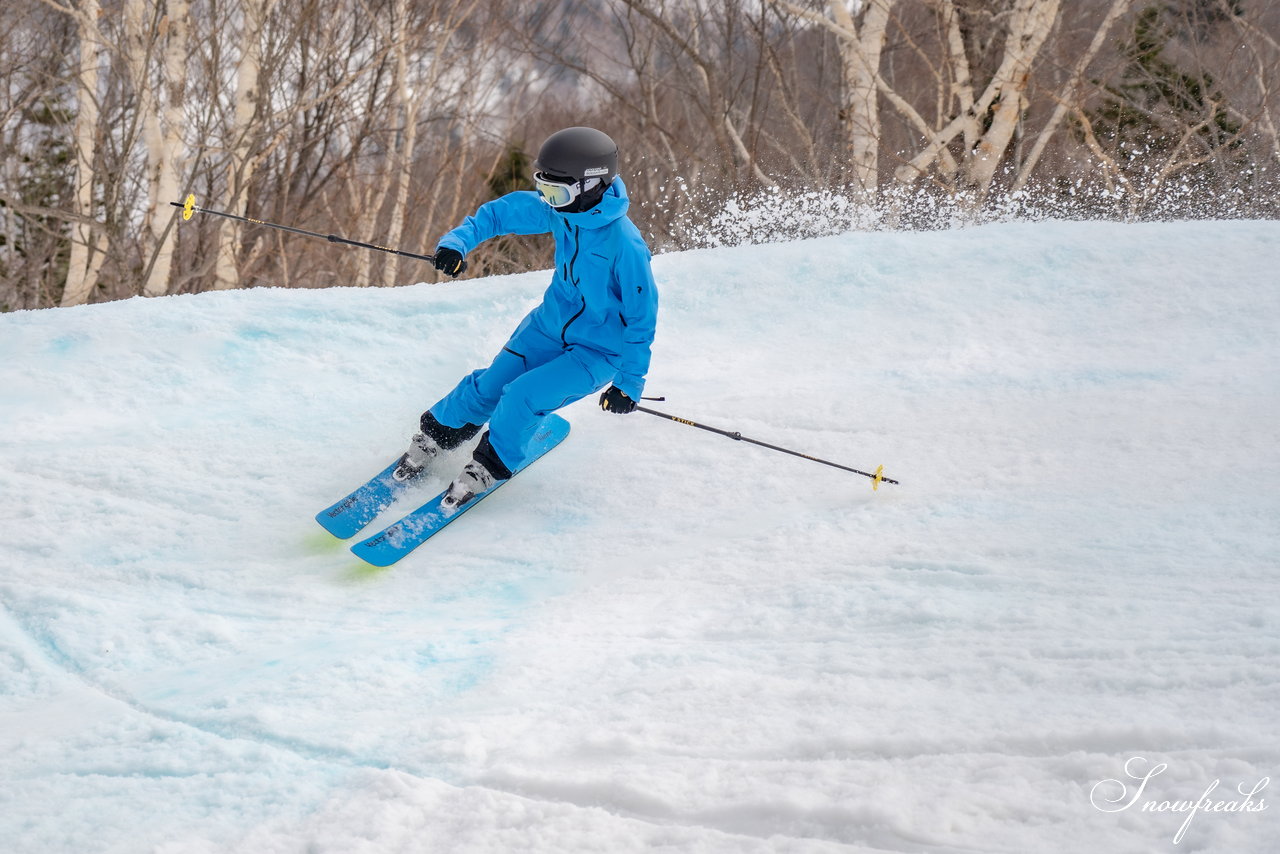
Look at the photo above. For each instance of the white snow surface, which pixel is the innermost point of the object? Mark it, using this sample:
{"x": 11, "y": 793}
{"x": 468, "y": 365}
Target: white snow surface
{"x": 657, "y": 638}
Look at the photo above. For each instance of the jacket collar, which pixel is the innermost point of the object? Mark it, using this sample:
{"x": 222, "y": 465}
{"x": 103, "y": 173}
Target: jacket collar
{"x": 612, "y": 206}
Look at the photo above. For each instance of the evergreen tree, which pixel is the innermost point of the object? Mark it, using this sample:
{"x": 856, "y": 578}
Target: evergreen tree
{"x": 36, "y": 264}
{"x": 1160, "y": 105}
{"x": 514, "y": 172}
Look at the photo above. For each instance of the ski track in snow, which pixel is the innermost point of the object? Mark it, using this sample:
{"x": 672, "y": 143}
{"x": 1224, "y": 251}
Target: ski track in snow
{"x": 658, "y": 638}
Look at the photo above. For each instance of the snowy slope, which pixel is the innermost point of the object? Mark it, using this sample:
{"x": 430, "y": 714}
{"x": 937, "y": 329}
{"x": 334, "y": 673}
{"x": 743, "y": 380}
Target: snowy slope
{"x": 658, "y": 638}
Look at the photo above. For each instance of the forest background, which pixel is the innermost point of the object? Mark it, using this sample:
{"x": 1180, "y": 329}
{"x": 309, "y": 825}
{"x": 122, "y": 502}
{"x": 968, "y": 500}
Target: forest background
{"x": 388, "y": 121}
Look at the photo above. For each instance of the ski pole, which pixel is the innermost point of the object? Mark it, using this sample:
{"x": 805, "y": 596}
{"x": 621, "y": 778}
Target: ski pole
{"x": 877, "y": 477}
{"x": 189, "y": 207}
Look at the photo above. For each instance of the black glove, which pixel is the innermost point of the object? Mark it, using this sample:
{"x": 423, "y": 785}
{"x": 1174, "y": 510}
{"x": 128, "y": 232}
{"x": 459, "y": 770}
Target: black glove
{"x": 450, "y": 261}
{"x": 616, "y": 401}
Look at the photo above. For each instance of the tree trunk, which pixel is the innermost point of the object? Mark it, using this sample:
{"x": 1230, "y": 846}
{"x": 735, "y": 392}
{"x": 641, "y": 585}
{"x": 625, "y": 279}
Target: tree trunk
{"x": 159, "y": 103}
{"x": 1029, "y": 27}
{"x": 860, "y": 57}
{"x": 1003, "y": 101}
{"x": 170, "y": 159}
{"x": 1069, "y": 98}
{"x": 240, "y": 165}
{"x": 88, "y": 243}
{"x": 407, "y": 105}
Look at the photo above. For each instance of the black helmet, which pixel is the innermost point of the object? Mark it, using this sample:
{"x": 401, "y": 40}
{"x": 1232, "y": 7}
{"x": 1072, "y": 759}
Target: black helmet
{"x": 579, "y": 153}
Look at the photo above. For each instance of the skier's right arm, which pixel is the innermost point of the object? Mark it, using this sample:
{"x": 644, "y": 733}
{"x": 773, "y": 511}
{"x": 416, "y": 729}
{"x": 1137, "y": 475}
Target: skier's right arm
{"x": 521, "y": 212}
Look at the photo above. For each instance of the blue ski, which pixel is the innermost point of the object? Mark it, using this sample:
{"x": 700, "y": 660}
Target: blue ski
{"x": 389, "y": 545}
{"x": 361, "y": 507}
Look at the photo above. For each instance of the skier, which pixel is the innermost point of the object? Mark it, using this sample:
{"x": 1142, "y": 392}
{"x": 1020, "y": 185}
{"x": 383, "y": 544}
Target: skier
{"x": 594, "y": 327}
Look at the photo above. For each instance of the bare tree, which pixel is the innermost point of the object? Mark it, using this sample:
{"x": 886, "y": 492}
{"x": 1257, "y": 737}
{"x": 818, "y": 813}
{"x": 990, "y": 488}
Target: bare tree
{"x": 88, "y": 241}
{"x": 1263, "y": 54}
{"x": 861, "y": 36}
{"x": 436, "y": 60}
{"x": 1071, "y": 96}
{"x": 986, "y": 121}
{"x": 241, "y": 162}
{"x": 703, "y": 43}
{"x": 156, "y": 41}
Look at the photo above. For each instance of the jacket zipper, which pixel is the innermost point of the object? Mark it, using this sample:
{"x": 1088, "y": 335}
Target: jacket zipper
{"x": 577, "y": 247}
{"x": 572, "y": 319}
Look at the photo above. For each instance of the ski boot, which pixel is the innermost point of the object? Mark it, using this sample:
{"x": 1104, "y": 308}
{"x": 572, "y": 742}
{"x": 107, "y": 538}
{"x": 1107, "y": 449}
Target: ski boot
{"x": 478, "y": 477}
{"x": 422, "y": 450}
{"x": 427, "y": 445}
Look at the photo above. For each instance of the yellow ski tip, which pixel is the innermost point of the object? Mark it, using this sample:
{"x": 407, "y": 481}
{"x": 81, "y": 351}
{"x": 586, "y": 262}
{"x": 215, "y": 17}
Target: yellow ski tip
{"x": 189, "y": 207}
{"x": 875, "y": 482}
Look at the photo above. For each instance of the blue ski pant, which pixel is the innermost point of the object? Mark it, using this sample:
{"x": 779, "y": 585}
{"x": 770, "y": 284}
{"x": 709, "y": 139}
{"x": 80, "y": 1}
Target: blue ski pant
{"x": 534, "y": 374}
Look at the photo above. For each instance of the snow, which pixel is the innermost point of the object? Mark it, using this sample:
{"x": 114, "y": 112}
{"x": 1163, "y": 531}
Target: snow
{"x": 658, "y": 638}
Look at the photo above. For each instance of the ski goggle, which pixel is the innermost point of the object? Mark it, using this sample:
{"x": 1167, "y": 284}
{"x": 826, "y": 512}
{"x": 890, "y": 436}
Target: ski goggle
{"x": 556, "y": 191}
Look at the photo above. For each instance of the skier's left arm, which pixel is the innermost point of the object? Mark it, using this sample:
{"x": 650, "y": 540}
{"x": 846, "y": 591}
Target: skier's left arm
{"x": 639, "y": 315}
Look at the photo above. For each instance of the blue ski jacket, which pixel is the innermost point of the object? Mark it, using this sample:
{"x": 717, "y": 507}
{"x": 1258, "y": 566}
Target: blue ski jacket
{"x": 602, "y": 295}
